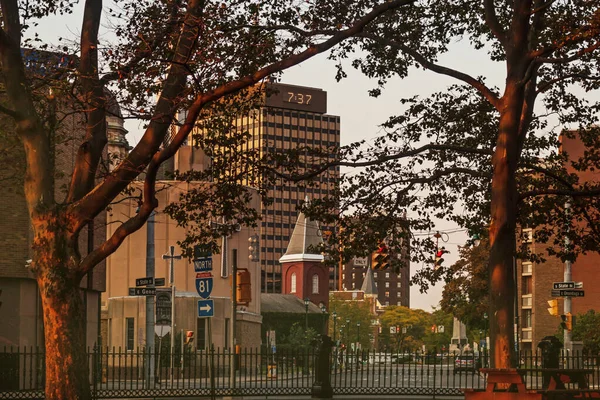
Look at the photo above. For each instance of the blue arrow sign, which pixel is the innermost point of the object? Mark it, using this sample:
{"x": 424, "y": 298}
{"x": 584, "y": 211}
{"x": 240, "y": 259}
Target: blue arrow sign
{"x": 204, "y": 287}
{"x": 206, "y": 308}
{"x": 203, "y": 264}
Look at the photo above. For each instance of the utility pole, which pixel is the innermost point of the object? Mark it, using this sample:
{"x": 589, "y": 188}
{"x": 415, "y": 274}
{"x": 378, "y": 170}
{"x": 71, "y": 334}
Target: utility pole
{"x": 233, "y": 316}
{"x": 150, "y": 302}
{"x": 172, "y": 257}
{"x": 567, "y": 277}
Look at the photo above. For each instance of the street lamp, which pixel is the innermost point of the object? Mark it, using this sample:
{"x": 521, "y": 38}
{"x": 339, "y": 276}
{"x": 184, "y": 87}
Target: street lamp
{"x": 324, "y": 311}
{"x": 306, "y": 303}
{"x": 334, "y": 314}
{"x": 357, "y": 334}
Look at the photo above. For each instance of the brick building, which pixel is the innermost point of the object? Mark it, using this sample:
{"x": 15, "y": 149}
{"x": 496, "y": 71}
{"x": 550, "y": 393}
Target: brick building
{"x": 393, "y": 289}
{"x": 534, "y": 283}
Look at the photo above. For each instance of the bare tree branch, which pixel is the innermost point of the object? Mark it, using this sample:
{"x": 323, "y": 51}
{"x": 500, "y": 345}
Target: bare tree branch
{"x": 139, "y": 157}
{"x": 425, "y": 63}
{"x": 90, "y": 151}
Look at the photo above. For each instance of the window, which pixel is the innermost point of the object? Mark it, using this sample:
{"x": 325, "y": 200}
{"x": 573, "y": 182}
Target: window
{"x": 527, "y": 268}
{"x": 526, "y": 283}
{"x": 129, "y": 332}
{"x": 387, "y": 274}
{"x": 387, "y": 294}
{"x": 526, "y": 322}
{"x": 315, "y": 284}
{"x": 387, "y": 284}
{"x": 201, "y": 328}
{"x": 293, "y": 283}
{"x": 399, "y": 284}
{"x": 375, "y": 275}
{"x": 226, "y": 333}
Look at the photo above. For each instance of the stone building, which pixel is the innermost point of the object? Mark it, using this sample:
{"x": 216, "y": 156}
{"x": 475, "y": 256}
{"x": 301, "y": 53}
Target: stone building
{"x": 124, "y": 316}
{"x": 20, "y": 306}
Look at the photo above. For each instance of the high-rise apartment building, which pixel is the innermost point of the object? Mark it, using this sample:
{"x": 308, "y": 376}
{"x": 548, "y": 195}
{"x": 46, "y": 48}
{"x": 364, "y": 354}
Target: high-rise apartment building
{"x": 393, "y": 289}
{"x": 291, "y": 117}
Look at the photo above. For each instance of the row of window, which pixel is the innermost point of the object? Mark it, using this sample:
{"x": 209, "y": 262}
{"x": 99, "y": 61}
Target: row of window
{"x": 316, "y": 143}
{"x": 293, "y": 114}
{"x": 356, "y": 275}
{"x": 201, "y": 332}
{"x": 315, "y": 283}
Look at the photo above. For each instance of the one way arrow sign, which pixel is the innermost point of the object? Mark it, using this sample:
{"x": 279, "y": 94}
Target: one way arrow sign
{"x": 206, "y": 308}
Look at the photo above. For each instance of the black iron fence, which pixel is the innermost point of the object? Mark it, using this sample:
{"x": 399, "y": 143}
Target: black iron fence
{"x": 117, "y": 373}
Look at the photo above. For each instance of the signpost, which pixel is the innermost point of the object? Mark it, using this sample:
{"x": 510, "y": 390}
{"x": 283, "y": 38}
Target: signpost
{"x": 204, "y": 284}
{"x": 142, "y": 291}
{"x": 206, "y": 308}
{"x": 203, "y": 264}
{"x": 563, "y": 285}
{"x": 163, "y": 307}
{"x": 568, "y": 293}
{"x": 149, "y": 280}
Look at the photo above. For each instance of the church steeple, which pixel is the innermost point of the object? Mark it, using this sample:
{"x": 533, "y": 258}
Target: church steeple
{"x": 305, "y": 237}
{"x": 303, "y": 272}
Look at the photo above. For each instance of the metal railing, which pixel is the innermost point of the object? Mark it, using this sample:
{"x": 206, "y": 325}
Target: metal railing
{"x": 118, "y": 373}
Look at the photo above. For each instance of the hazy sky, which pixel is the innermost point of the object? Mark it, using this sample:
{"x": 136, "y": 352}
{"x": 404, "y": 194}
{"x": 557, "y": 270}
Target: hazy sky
{"x": 360, "y": 114}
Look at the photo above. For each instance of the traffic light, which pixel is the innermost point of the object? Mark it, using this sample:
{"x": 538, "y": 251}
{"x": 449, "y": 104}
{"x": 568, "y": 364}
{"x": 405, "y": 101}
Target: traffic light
{"x": 553, "y": 309}
{"x": 244, "y": 287}
{"x": 438, "y": 257}
{"x": 380, "y": 259}
{"x": 254, "y": 248}
{"x": 189, "y": 337}
{"x": 570, "y": 321}
{"x": 433, "y": 328}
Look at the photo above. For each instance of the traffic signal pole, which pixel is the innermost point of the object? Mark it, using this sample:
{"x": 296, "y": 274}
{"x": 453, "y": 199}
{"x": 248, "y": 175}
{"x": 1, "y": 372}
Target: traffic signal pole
{"x": 568, "y": 339}
{"x": 150, "y": 302}
{"x": 233, "y": 317}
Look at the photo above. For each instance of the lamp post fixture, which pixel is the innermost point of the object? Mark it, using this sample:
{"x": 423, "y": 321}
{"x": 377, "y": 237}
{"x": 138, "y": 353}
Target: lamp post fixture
{"x": 334, "y": 324}
{"x": 306, "y": 303}
{"x": 325, "y": 318}
{"x": 343, "y": 333}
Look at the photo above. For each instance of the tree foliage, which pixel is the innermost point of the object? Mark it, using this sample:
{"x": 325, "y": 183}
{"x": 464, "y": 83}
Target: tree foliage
{"x": 161, "y": 59}
{"x": 466, "y": 289}
{"x": 484, "y": 157}
{"x": 349, "y": 315}
{"x": 586, "y": 330}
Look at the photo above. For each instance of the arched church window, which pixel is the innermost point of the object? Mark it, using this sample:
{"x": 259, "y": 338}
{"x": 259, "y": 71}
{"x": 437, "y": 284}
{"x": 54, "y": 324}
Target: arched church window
{"x": 315, "y": 284}
{"x": 293, "y": 283}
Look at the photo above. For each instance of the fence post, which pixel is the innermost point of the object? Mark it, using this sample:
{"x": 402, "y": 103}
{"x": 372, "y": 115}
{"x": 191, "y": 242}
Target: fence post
{"x": 321, "y": 388}
{"x": 212, "y": 372}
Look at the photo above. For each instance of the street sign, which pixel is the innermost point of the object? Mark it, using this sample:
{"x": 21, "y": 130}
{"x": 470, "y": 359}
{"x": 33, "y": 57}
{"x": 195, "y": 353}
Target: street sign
{"x": 392, "y": 329}
{"x": 563, "y": 285}
{"x": 440, "y": 329}
{"x": 142, "y": 291}
{"x": 144, "y": 281}
{"x": 572, "y": 293}
{"x": 159, "y": 282}
{"x": 163, "y": 307}
{"x": 203, "y": 264}
{"x": 204, "y": 287}
{"x": 206, "y": 308}
{"x": 578, "y": 285}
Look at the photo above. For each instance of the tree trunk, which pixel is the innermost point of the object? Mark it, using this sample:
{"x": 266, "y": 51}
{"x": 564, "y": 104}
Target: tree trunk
{"x": 502, "y": 237}
{"x": 64, "y": 330}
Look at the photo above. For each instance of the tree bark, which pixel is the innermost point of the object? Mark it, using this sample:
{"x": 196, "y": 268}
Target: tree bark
{"x": 55, "y": 260}
{"x": 502, "y": 232}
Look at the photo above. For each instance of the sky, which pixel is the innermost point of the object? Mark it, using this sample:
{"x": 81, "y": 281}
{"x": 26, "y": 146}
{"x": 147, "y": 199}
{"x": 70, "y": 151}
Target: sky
{"x": 360, "y": 114}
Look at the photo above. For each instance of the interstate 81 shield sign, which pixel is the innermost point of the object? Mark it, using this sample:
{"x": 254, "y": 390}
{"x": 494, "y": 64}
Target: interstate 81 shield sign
{"x": 204, "y": 285}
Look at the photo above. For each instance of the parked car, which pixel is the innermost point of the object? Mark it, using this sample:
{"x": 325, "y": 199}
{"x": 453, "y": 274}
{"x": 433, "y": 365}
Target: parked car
{"x": 466, "y": 363}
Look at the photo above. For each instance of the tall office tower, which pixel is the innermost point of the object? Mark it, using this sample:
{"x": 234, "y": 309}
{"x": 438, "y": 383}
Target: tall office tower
{"x": 291, "y": 117}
